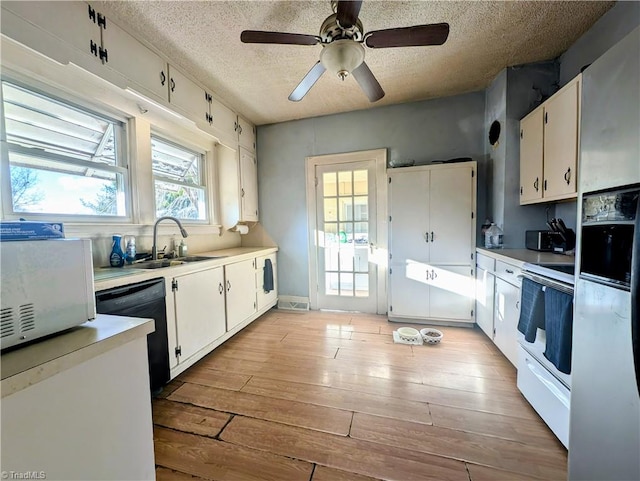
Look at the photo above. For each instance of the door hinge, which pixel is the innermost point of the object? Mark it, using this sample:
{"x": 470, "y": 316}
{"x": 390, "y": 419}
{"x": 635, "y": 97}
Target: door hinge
{"x": 494, "y": 332}
{"x": 174, "y": 285}
{"x": 102, "y": 21}
{"x": 390, "y": 271}
{"x": 92, "y": 14}
{"x": 390, "y": 308}
{"x": 390, "y": 256}
{"x": 472, "y": 272}
{"x": 389, "y": 218}
{"x": 471, "y": 312}
{"x": 254, "y": 305}
{"x": 178, "y": 351}
{"x": 472, "y": 256}
{"x": 103, "y": 54}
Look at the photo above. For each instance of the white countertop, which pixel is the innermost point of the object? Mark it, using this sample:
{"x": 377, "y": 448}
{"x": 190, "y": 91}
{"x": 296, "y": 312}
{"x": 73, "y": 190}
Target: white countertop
{"x": 28, "y": 365}
{"x": 519, "y": 257}
{"x": 109, "y": 277}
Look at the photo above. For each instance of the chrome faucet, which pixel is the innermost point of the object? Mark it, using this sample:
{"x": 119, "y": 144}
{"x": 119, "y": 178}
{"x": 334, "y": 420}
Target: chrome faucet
{"x": 154, "y": 249}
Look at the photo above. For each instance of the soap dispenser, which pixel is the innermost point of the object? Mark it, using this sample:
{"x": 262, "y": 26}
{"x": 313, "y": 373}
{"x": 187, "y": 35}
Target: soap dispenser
{"x": 182, "y": 249}
{"x": 116, "y": 259}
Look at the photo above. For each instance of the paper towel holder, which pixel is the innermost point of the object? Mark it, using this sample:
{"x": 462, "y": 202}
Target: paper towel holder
{"x": 241, "y": 229}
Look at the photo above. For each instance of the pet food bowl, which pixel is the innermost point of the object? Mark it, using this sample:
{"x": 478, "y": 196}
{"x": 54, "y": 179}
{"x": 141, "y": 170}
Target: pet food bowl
{"x": 431, "y": 336}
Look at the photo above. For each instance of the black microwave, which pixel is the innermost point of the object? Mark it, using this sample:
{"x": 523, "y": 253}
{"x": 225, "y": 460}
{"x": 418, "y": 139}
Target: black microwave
{"x": 608, "y": 234}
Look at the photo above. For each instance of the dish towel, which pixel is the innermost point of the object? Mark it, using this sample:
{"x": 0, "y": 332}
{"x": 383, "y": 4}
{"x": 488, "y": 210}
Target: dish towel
{"x": 531, "y": 309}
{"x": 558, "y": 314}
{"x": 268, "y": 276}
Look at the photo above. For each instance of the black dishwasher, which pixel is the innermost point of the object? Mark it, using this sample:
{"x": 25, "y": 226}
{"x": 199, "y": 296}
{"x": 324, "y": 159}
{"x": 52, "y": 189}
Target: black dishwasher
{"x": 144, "y": 299}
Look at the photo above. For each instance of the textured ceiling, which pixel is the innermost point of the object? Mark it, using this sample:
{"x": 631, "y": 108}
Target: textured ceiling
{"x": 203, "y": 39}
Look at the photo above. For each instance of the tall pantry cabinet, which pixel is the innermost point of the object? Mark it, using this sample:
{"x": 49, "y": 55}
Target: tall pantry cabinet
{"x": 432, "y": 242}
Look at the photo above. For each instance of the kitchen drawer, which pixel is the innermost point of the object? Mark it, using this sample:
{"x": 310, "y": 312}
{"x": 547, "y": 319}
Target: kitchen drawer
{"x": 485, "y": 262}
{"x": 548, "y": 396}
{"x": 509, "y": 273}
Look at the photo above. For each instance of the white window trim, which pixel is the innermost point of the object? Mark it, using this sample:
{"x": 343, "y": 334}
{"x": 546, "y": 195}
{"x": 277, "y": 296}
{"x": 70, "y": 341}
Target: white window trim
{"x": 122, "y": 158}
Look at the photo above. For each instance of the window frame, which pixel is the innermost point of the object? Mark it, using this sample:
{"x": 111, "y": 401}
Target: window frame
{"x": 204, "y": 175}
{"x": 121, "y": 167}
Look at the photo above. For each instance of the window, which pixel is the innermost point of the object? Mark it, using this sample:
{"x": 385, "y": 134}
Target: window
{"x": 62, "y": 159}
{"x": 179, "y": 181}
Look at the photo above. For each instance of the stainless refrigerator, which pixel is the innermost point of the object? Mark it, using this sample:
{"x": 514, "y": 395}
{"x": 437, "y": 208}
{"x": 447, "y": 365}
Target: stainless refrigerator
{"x": 604, "y": 430}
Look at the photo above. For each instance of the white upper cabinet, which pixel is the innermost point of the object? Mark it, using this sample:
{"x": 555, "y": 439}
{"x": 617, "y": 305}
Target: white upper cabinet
{"x": 248, "y": 185}
{"x": 549, "y": 139}
{"x": 74, "y": 23}
{"x": 246, "y": 134}
{"x": 223, "y": 122}
{"x": 187, "y": 96}
{"x": 145, "y": 70}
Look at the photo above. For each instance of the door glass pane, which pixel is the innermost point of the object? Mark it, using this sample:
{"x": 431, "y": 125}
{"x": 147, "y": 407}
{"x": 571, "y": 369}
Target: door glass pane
{"x": 331, "y": 284}
{"x": 360, "y": 208}
{"x": 346, "y": 232}
{"x": 361, "y": 258}
{"x": 346, "y": 284}
{"x": 362, "y": 285}
{"x": 331, "y": 258}
{"x": 346, "y": 208}
{"x": 361, "y": 234}
{"x": 360, "y": 182}
{"x": 329, "y": 182}
{"x": 331, "y": 209}
{"x": 346, "y": 259}
{"x": 344, "y": 183}
{"x": 331, "y": 234}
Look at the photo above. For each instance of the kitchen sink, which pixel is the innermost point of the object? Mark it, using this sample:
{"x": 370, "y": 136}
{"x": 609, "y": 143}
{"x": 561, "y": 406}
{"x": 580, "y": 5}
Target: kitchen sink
{"x": 176, "y": 261}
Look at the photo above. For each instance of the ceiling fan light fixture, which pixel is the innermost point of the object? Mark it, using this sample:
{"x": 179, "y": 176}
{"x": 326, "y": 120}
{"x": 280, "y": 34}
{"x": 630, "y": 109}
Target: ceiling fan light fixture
{"x": 342, "y": 57}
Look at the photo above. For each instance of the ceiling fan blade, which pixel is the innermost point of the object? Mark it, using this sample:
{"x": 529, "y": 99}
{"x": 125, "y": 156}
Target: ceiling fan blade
{"x": 420, "y": 35}
{"x": 307, "y": 82}
{"x": 258, "y": 36}
{"x": 348, "y": 11}
{"x": 368, "y": 82}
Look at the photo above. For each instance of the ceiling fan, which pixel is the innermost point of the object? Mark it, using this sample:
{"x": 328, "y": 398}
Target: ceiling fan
{"x": 342, "y": 36}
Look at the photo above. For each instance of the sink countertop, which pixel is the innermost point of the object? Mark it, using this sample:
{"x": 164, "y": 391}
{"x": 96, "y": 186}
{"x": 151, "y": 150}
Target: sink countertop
{"x": 519, "y": 257}
{"x": 109, "y": 277}
{"x": 27, "y": 365}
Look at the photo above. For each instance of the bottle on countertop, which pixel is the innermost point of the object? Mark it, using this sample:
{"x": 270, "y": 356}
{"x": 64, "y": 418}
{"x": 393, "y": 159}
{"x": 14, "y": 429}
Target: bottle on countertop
{"x": 493, "y": 237}
{"x": 116, "y": 259}
{"x": 182, "y": 249}
{"x": 130, "y": 250}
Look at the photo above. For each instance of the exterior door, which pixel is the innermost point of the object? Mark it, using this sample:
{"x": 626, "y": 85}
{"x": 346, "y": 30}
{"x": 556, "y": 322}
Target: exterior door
{"x": 346, "y": 236}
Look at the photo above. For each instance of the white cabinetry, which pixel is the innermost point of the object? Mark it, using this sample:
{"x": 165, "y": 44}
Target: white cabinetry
{"x": 432, "y": 238}
{"x": 264, "y": 298}
{"x": 549, "y": 138}
{"x": 199, "y": 311}
{"x": 240, "y": 285}
{"x": 485, "y": 290}
{"x": 507, "y": 310}
{"x": 246, "y": 134}
{"x": 238, "y": 176}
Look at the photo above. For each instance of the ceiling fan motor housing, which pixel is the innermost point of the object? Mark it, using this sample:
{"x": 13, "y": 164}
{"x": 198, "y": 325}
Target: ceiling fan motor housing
{"x": 331, "y": 30}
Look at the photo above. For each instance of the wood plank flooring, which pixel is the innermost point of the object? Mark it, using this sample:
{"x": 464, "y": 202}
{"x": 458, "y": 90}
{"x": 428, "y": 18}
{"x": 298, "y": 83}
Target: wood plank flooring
{"x": 316, "y": 396}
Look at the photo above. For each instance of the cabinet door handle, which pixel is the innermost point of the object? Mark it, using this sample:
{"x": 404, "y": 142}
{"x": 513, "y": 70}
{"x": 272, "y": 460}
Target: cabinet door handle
{"x": 508, "y": 271}
{"x": 241, "y": 192}
{"x": 545, "y": 184}
{"x": 228, "y": 286}
{"x": 567, "y": 175}
{"x": 163, "y": 77}
{"x": 428, "y": 276}
{"x": 426, "y": 237}
{"x": 433, "y": 274}
{"x": 220, "y": 288}
{"x": 431, "y": 236}
{"x": 521, "y": 190}
{"x": 235, "y": 126}
{"x": 93, "y": 47}
{"x": 517, "y": 304}
{"x": 240, "y": 129}
{"x": 536, "y": 184}
{"x": 173, "y": 85}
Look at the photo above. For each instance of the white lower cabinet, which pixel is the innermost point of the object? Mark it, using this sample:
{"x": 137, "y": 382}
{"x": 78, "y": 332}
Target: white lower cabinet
{"x": 485, "y": 291}
{"x": 506, "y": 316}
{"x": 240, "y": 285}
{"x": 265, "y": 298}
{"x": 199, "y": 310}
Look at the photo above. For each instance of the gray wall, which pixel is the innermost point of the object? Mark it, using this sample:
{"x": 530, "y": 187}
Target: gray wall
{"x": 604, "y": 34}
{"x": 423, "y": 131}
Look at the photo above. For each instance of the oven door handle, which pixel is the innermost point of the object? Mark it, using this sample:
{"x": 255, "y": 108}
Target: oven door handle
{"x": 548, "y": 283}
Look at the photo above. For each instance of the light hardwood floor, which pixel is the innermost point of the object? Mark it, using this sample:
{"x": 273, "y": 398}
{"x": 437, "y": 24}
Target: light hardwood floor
{"x": 329, "y": 397}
